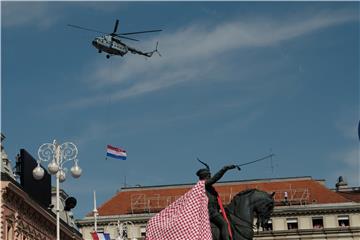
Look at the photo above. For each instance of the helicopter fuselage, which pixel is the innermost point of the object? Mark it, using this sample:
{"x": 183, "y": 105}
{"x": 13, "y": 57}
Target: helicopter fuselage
{"x": 110, "y": 45}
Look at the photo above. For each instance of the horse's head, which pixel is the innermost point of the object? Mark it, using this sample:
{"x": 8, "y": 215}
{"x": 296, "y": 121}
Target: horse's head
{"x": 244, "y": 206}
{"x": 263, "y": 206}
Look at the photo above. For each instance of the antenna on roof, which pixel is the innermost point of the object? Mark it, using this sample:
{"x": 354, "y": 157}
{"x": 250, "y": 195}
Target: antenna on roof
{"x": 125, "y": 185}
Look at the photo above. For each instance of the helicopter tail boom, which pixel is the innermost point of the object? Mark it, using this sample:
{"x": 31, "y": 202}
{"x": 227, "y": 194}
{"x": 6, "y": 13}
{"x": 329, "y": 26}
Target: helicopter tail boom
{"x": 147, "y": 54}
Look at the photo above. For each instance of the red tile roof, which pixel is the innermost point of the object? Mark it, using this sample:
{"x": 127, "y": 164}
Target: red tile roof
{"x": 152, "y": 199}
{"x": 351, "y": 195}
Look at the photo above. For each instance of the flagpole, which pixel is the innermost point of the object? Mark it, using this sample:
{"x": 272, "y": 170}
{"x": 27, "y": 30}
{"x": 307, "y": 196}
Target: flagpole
{"x": 95, "y": 213}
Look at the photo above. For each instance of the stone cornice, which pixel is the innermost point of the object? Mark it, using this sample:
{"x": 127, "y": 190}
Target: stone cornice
{"x": 104, "y": 220}
{"x": 30, "y": 211}
{"x": 317, "y": 209}
{"x": 297, "y": 210}
{"x": 279, "y": 212}
{"x": 304, "y": 232}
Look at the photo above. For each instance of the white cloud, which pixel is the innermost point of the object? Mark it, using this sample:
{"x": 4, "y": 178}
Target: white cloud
{"x": 198, "y": 52}
{"x": 92, "y": 132}
{"x": 350, "y": 165}
{"x": 44, "y": 14}
{"x": 348, "y": 124}
{"x": 26, "y": 13}
{"x": 349, "y": 157}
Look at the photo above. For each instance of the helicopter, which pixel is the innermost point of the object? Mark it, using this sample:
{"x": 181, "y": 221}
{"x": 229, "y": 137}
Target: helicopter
{"x": 112, "y": 44}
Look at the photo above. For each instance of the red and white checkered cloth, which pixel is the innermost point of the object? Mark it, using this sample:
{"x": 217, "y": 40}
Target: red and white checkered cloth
{"x": 185, "y": 219}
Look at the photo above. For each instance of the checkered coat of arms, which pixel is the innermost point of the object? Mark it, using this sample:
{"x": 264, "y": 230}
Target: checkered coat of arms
{"x": 185, "y": 219}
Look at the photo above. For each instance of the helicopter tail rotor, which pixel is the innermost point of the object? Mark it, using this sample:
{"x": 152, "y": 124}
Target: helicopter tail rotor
{"x": 156, "y": 49}
{"x": 149, "y": 54}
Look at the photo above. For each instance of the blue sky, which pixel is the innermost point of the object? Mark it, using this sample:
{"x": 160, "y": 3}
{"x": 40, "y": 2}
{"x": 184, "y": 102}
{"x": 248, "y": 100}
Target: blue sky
{"x": 236, "y": 81}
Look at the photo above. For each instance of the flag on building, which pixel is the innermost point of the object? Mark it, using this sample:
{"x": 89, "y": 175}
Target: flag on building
{"x": 115, "y": 152}
{"x": 100, "y": 236}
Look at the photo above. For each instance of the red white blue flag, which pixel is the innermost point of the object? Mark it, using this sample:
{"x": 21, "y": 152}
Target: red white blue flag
{"x": 116, "y": 152}
{"x": 100, "y": 236}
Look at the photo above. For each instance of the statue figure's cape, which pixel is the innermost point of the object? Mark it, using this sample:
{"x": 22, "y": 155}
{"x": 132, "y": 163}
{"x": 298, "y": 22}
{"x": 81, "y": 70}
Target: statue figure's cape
{"x": 185, "y": 219}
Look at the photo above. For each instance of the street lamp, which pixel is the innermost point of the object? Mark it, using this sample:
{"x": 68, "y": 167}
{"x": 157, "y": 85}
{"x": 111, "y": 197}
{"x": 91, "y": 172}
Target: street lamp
{"x": 57, "y": 155}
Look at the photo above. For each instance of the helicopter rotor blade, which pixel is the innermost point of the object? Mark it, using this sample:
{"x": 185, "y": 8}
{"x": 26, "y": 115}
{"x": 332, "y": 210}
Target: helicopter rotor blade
{"x": 116, "y": 35}
{"x": 83, "y": 28}
{"x": 116, "y": 26}
{"x": 149, "y": 31}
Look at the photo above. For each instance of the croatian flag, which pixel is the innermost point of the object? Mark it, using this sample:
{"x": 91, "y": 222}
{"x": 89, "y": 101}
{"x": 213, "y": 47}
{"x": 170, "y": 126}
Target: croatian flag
{"x": 115, "y": 152}
{"x": 100, "y": 236}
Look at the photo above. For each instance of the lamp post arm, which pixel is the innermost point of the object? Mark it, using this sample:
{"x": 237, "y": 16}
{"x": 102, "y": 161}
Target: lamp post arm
{"x": 46, "y": 152}
{"x": 61, "y": 164}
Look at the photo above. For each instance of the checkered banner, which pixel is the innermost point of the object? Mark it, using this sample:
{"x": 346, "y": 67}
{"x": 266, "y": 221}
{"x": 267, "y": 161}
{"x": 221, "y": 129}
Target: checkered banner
{"x": 185, "y": 219}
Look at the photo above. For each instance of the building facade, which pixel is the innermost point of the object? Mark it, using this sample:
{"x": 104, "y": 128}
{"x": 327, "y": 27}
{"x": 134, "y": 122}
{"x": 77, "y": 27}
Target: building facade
{"x": 305, "y": 209}
{"x": 22, "y": 217}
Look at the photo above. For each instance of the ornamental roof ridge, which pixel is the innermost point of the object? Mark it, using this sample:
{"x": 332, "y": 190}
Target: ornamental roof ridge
{"x": 321, "y": 205}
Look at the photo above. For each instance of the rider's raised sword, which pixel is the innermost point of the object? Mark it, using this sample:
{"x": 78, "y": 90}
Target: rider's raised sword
{"x": 257, "y": 160}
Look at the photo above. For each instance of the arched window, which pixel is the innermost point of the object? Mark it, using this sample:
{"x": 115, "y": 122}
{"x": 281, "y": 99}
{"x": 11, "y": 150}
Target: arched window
{"x": 9, "y": 231}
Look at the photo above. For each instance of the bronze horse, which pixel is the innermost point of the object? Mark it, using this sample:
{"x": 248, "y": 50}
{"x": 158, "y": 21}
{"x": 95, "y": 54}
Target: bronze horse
{"x": 242, "y": 210}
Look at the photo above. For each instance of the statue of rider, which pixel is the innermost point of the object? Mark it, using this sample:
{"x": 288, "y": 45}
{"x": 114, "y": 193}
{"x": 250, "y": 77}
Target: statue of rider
{"x": 215, "y": 214}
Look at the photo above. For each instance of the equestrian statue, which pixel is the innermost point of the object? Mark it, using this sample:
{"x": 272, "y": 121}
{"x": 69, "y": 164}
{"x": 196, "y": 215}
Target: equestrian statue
{"x": 236, "y": 220}
{"x": 200, "y": 215}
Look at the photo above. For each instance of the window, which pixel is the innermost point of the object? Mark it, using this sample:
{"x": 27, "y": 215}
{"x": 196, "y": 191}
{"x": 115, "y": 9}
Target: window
{"x": 268, "y": 226}
{"x": 9, "y": 235}
{"x": 143, "y": 231}
{"x": 318, "y": 222}
{"x": 343, "y": 221}
{"x": 292, "y": 223}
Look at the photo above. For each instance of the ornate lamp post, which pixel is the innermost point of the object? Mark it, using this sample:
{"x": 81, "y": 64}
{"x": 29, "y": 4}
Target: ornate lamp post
{"x": 57, "y": 155}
